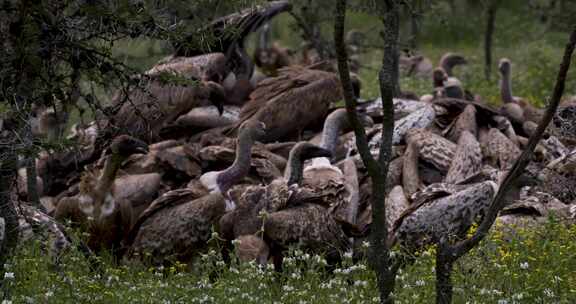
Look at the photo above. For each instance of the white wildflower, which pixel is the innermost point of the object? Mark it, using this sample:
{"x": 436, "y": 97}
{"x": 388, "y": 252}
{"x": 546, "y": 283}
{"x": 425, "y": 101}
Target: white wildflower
{"x": 361, "y": 283}
{"x": 518, "y": 296}
{"x": 366, "y": 244}
{"x": 548, "y": 292}
{"x": 420, "y": 283}
{"x": 524, "y": 265}
{"x": 8, "y": 275}
{"x": 288, "y": 288}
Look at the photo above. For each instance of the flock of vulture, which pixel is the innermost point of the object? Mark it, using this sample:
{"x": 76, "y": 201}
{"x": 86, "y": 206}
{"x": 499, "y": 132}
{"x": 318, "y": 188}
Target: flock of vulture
{"x": 266, "y": 159}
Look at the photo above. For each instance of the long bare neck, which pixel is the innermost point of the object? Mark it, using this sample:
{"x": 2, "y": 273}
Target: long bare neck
{"x": 447, "y": 66}
{"x": 241, "y": 166}
{"x": 294, "y": 169}
{"x": 264, "y": 42}
{"x": 506, "y": 88}
{"x": 331, "y": 130}
{"x": 109, "y": 172}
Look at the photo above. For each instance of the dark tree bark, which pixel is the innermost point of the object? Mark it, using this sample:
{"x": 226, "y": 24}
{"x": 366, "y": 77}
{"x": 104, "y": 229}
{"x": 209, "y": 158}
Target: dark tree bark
{"x": 415, "y": 15}
{"x": 380, "y": 260}
{"x": 488, "y": 35}
{"x": 32, "y": 183}
{"x": 448, "y": 254}
{"x": 8, "y": 165}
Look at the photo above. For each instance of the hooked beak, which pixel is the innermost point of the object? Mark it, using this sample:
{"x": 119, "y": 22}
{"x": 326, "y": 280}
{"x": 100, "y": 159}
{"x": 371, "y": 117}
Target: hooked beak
{"x": 217, "y": 96}
{"x": 141, "y": 147}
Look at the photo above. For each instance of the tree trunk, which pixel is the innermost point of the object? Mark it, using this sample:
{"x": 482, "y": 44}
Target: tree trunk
{"x": 415, "y": 15}
{"x": 488, "y": 34}
{"x": 32, "y": 183}
{"x": 389, "y": 73}
{"x": 380, "y": 260}
{"x": 8, "y": 175}
{"x": 444, "y": 285}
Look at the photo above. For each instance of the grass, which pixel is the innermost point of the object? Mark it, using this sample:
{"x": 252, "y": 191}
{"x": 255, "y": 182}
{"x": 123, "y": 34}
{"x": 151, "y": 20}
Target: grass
{"x": 526, "y": 266}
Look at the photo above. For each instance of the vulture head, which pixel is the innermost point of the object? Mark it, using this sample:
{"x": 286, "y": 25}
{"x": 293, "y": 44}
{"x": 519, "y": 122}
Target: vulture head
{"x": 300, "y": 153}
{"x": 125, "y": 145}
{"x": 216, "y": 95}
{"x": 451, "y": 60}
{"x": 356, "y": 84}
{"x": 504, "y": 66}
{"x": 253, "y": 129}
{"x": 306, "y": 150}
{"x": 439, "y": 76}
{"x": 221, "y": 181}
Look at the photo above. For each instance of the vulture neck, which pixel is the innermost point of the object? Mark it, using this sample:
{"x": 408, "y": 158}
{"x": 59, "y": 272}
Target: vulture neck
{"x": 264, "y": 42}
{"x": 332, "y": 127}
{"x": 111, "y": 167}
{"x": 295, "y": 167}
{"x": 241, "y": 166}
{"x": 506, "y": 88}
{"x": 447, "y": 65}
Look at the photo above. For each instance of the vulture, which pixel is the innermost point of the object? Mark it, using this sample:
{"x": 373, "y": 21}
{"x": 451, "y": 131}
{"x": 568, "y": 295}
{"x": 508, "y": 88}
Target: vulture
{"x": 417, "y": 65}
{"x": 292, "y": 101}
{"x": 449, "y": 61}
{"x": 270, "y": 58}
{"x": 246, "y": 219}
{"x": 106, "y": 219}
{"x": 230, "y": 31}
{"x": 144, "y": 110}
{"x": 515, "y": 108}
{"x": 331, "y": 180}
{"x": 283, "y": 215}
{"x": 443, "y": 217}
{"x": 177, "y": 226}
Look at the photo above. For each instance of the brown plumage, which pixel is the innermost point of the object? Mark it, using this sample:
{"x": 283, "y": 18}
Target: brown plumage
{"x": 52, "y": 234}
{"x": 466, "y": 121}
{"x": 208, "y": 67}
{"x": 286, "y": 215}
{"x": 467, "y": 160}
{"x": 298, "y": 94}
{"x": 106, "y": 219}
{"x": 178, "y": 224}
{"x": 231, "y": 30}
{"x": 143, "y": 113}
{"x": 445, "y": 218}
{"x": 449, "y": 61}
{"x": 432, "y": 148}
{"x": 271, "y": 59}
{"x": 524, "y": 111}
{"x": 499, "y": 150}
